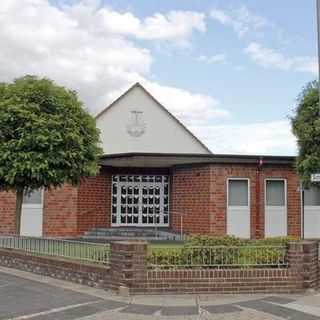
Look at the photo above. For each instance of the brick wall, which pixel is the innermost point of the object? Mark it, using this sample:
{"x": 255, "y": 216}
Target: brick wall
{"x": 220, "y": 281}
{"x": 7, "y": 212}
{"x": 302, "y": 273}
{"x": 304, "y": 259}
{"x": 60, "y": 212}
{"x": 200, "y": 194}
{"x": 197, "y": 192}
{"x": 128, "y": 264}
{"x": 190, "y": 196}
{"x": 73, "y": 271}
{"x": 94, "y": 202}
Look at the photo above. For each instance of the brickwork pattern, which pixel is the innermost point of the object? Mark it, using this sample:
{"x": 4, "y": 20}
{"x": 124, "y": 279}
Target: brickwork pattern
{"x": 220, "y": 281}
{"x": 60, "y": 218}
{"x": 302, "y": 273}
{"x": 304, "y": 258}
{"x": 77, "y": 272}
{"x": 190, "y": 197}
{"x": 200, "y": 194}
{"x": 128, "y": 263}
{"x": 94, "y": 202}
{"x": 7, "y": 212}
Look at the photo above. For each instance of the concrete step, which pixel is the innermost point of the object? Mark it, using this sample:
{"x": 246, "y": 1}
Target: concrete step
{"x": 112, "y": 234}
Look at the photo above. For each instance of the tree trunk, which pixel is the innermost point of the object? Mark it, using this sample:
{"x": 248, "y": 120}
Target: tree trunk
{"x": 19, "y": 199}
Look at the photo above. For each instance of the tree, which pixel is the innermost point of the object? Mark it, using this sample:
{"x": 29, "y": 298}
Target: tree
{"x": 306, "y": 127}
{"x": 46, "y": 138}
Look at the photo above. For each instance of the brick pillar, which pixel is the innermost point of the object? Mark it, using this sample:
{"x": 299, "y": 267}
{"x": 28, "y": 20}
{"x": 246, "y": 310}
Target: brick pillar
{"x": 303, "y": 260}
{"x": 128, "y": 263}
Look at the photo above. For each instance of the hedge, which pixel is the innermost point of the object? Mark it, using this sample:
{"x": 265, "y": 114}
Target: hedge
{"x": 229, "y": 251}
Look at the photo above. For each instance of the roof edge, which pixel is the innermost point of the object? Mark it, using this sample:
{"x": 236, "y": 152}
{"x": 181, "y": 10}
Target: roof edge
{"x": 211, "y": 157}
{"x": 137, "y": 84}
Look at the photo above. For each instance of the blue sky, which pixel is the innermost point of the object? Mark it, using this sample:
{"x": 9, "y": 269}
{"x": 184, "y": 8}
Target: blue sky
{"x": 254, "y": 93}
{"x": 230, "y": 70}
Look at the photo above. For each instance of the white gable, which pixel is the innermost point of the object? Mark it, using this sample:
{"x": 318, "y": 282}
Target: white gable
{"x": 136, "y": 122}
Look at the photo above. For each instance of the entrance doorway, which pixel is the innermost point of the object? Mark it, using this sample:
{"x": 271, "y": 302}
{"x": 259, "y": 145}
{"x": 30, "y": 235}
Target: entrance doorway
{"x": 275, "y": 207}
{"x": 140, "y": 200}
{"x": 312, "y": 212}
{"x": 32, "y": 214}
{"x": 238, "y": 207}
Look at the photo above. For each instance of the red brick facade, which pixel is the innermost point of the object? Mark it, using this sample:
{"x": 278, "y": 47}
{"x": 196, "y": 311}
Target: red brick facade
{"x": 60, "y": 212}
{"x": 197, "y": 192}
{"x": 94, "y": 202}
{"x": 191, "y": 198}
{"x": 7, "y": 212}
{"x": 200, "y": 193}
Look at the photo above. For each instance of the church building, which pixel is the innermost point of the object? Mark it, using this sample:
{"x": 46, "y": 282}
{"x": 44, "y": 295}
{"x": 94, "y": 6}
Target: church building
{"x": 156, "y": 174}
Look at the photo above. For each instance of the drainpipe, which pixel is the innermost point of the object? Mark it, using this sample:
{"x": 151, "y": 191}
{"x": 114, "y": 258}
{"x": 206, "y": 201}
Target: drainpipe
{"x": 258, "y": 196}
{"x": 181, "y": 226}
{"x": 302, "y": 209}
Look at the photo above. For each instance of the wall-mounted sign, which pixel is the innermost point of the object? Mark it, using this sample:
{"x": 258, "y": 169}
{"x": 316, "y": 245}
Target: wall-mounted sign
{"x": 136, "y": 126}
{"x": 315, "y": 177}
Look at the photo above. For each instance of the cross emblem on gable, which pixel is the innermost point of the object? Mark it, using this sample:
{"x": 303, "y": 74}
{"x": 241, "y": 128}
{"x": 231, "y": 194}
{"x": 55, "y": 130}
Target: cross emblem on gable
{"x": 136, "y": 126}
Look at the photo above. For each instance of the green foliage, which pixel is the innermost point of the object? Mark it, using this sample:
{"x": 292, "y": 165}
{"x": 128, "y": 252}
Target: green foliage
{"x": 228, "y": 251}
{"x": 306, "y": 127}
{"x": 211, "y": 241}
{"x": 46, "y": 137}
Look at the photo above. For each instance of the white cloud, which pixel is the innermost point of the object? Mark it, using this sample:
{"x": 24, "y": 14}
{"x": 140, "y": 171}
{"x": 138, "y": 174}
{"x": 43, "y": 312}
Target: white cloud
{"x": 241, "y": 19}
{"x": 190, "y": 108}
{"x": 71, "y": 45}
{"x": 193, "y": 109}
{"x": 269, "y": 58}
{"x": 266, "y": 138}
{"x": 174, "y": 26}
{"x": 217, "y": 58}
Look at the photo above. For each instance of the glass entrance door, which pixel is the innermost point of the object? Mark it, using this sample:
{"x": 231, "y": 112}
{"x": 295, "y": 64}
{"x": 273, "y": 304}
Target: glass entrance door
{"x": 140, "y": 200}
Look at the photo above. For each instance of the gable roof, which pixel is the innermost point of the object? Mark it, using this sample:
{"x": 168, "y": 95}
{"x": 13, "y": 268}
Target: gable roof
{"x": 138, "y": 85}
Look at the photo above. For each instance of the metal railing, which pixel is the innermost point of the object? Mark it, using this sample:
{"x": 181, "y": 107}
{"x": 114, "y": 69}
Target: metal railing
{"x": 217, "y": 257}
{"x": 76, "y": 250}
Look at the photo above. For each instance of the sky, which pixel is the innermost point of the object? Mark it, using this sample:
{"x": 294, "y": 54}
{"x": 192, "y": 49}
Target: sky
{"x": 230, "y": 70}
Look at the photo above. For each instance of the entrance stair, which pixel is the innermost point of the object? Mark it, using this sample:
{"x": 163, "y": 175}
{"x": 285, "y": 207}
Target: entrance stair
{"x": 131, "y": 233}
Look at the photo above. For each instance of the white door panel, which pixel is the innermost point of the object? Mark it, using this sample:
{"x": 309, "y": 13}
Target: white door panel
{"x": 31, "y": 222}
{"x": 312, "y": 221}
{"x": 275, "y": 208}
{"x": 275, "y": 222}
{"x": 238, "y": 222}
{"x": 238, "y": 207}
{"x": 312, "y": 212}
{"x": 32, "y": 214}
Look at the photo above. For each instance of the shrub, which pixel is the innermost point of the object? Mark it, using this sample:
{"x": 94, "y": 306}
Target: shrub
{"x": 214, "y": 251}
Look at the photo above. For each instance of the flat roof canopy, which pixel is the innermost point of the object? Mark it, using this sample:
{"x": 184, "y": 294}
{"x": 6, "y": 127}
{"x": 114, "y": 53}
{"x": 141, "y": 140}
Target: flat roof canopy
{"x": 161, "y": 160}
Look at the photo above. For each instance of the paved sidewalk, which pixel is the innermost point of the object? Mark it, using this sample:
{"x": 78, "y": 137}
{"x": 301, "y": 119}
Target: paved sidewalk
{"x": 27, "y": 296}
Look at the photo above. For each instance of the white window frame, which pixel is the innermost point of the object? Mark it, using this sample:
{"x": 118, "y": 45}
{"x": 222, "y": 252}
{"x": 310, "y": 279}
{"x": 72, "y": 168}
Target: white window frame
{"x": 285, "y": 193}
{"x": 35, "y": 205}
{"x": 241, "y": 179}
{"x": 304, "y": 212}
{"x": 308, "y": 206}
